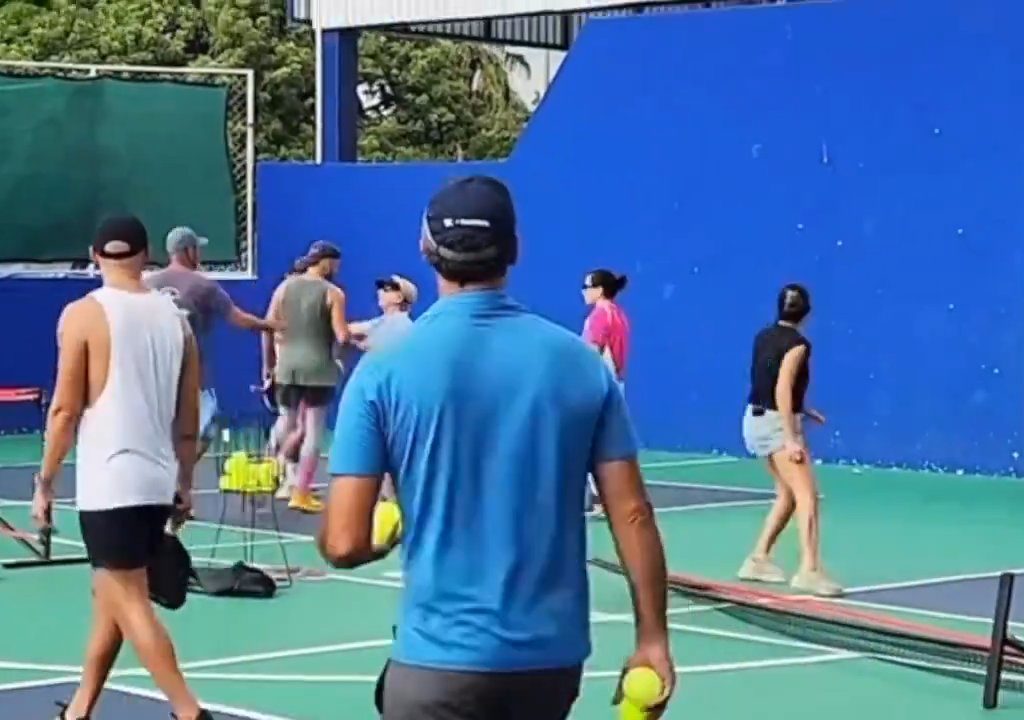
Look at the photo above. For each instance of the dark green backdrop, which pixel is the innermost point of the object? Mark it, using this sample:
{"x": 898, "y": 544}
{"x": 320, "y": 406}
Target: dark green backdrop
{"x": 75, "y": 151}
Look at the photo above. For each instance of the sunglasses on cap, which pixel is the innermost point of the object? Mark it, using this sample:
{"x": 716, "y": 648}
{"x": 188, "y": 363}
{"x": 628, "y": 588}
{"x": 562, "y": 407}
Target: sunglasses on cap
{"x": 388, "y": 285}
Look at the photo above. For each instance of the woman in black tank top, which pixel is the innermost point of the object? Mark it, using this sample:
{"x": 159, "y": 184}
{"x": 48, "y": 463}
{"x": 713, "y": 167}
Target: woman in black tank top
{"x": 772, "y": 429}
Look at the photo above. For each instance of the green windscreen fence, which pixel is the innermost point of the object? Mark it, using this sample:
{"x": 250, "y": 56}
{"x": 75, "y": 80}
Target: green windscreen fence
{"x": 74, "y": 151}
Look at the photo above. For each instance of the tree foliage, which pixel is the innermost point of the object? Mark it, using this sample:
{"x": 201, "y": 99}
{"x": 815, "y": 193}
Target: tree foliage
{"x": 423, "y": 99}
{"x": 435, "y": 99}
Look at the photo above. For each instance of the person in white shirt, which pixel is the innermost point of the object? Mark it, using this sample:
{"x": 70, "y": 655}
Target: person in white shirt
{"x": 128, "y": 379}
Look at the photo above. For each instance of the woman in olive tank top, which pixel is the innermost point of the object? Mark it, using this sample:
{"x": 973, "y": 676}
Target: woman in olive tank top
{"x": 303, "y": 370}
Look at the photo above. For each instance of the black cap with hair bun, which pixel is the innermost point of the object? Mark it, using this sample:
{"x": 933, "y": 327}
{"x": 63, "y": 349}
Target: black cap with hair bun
{"x": 794, "y": 303}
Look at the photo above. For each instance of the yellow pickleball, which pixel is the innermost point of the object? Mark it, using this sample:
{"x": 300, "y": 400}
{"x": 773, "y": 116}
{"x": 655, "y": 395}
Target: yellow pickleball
{"x": 266, "y": 481}
{"x": 629, "y": 711}
{"x": 239, "y": 471}
{"x": 641, "y": 689}
{"x": 387, "y": 524}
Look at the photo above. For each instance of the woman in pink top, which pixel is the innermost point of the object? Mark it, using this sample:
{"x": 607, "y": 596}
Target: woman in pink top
{"x": 607, "y": 329}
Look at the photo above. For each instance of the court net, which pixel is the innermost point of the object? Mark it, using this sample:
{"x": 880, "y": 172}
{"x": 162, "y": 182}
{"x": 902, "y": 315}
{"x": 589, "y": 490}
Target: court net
{"x": 831, "y": 626}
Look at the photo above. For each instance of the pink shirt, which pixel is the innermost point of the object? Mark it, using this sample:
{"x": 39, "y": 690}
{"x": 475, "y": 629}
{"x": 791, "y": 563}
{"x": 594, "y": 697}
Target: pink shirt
{"x": 607, "y": 329}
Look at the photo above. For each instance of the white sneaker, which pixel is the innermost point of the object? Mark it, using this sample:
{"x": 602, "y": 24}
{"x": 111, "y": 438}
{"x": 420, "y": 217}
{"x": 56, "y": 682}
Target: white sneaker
{"x": 761, "y": 570}
{"x": 284, "y": 490}
{"x": 816, "y": 583}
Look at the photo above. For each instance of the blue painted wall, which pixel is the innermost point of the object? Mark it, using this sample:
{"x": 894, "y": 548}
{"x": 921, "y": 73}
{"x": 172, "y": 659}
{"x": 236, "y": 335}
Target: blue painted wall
{"x": 868, "y": 148}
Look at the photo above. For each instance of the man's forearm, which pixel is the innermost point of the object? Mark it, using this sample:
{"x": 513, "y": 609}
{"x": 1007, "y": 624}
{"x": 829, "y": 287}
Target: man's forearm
{"x": 186, "y": 447}
{"x": 350, "y": 557}
{"x": 59, "y": 438}
{"x": 643, "y": 557}
{"x": 248, "y": 321}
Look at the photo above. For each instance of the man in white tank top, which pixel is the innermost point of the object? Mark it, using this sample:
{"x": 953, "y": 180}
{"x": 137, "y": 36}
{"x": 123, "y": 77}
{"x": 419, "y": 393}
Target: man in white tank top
{"x": 128, "y": 380}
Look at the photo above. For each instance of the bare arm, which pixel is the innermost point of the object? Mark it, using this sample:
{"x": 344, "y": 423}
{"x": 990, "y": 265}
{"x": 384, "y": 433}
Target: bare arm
{"x": 247, "y": 321}
{"x": 638, "y": 544}
{"x": 791, "y": 364}
{"x": 186, "y": 419}
{"x": 69, "y": 391}
{"x": 346, "y": 536}
{"x": 336, "y": 304}
{"x": 358, "y": 330}
{"x": 274, "y": 315}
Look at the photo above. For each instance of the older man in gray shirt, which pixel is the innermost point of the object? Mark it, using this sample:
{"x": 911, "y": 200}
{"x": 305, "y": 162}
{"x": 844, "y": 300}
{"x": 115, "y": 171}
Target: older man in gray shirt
{"x": 205, "y": 302}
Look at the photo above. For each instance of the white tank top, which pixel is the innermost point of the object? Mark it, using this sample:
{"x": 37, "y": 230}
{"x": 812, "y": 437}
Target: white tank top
{"x": 125, "y": 451}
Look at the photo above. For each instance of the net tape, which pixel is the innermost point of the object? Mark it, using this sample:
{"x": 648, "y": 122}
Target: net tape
{"x": 830, "y": 626}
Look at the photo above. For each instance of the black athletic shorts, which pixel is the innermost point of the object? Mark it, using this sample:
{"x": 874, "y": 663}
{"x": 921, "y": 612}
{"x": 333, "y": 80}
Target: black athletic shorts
{"x": 125, "y": 538}
{"x": 413, "y": 693}
{"x": 291, "y": 396}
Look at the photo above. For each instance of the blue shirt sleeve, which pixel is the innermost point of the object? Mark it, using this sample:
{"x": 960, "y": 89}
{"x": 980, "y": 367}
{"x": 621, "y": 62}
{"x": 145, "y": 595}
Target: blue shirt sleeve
{"x": 615, "y": 438}
{"x": 359, "y": 445}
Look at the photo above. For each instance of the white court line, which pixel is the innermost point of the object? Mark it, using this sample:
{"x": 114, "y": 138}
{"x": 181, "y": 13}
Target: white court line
{"x": 931, "y": 581}
{"x": 254, "y": 543}
{"x": 723, "y": 460}
{"x": 916, "y": 611}
{"x": 712, "y": 506}
{"x": 215, "y": 707}
{"x": 270, "y": 655}
{"x": 603, "y": 617}
{"x": 714, "y": 460}
{"x": 761, "y": 639}
{"x": 243, "y": 529}
{"x": 39, "y": 667}
{"x": 702, "y": 486}
{"x": 355, "y": 579}
{"x": 273, "y": 677}
{"x": 735, "y": 666}
{"x": 282, "y": 654}
{"x": 48, "y": 682}
{"x": 587, "y": 675}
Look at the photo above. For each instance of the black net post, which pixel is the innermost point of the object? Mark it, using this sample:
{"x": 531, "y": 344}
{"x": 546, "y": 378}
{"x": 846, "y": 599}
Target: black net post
{"x": 1000, "y": 626}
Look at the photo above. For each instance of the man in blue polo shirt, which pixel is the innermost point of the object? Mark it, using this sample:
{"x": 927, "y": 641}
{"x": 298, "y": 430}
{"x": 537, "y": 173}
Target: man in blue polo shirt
{"x": 489, "y": 419}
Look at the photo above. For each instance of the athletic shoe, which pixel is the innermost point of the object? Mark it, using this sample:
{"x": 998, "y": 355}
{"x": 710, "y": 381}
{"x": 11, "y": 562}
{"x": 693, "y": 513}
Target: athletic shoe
{"x": 816, "y": 583}
{"x": 761, "y": 570}
{"x": 284, "y": 491}
{"x": 203, "y": 715}
{"x": 64, "y": 713}
{"x": 305, "y": 502}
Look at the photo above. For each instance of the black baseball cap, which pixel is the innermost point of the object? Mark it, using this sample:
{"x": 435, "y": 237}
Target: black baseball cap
{"x": 479, "y": 211}
{"x": 120, "y": 237}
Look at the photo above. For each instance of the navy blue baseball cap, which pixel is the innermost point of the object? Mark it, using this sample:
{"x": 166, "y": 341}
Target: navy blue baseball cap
{"x": 477, "y": 211}
{"x": 322, "y": 250}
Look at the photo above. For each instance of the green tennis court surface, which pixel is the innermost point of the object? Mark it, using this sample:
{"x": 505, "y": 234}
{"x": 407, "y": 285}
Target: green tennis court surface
{"x": 920, "y": 546}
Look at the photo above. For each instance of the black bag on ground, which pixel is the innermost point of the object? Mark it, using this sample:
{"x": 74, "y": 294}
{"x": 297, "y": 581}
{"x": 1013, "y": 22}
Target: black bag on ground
{"x": 169, "y": 573}
{"x": 238, "y": 580}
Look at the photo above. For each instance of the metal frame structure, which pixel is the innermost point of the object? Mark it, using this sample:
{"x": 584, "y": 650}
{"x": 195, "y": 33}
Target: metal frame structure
{"x": 97, "y": 69}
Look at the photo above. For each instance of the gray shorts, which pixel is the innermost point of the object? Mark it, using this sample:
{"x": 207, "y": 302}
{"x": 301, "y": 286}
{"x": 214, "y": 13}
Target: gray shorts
{"x": 763, "y": 434}
{"x": 413, "y": 693}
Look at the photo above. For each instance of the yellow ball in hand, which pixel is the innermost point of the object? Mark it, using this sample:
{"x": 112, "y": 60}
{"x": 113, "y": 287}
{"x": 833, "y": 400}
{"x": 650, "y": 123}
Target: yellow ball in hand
{"x": 642, "y": 687}
{"x": 629, "y": 711}
{"x": 387, "y": 524}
